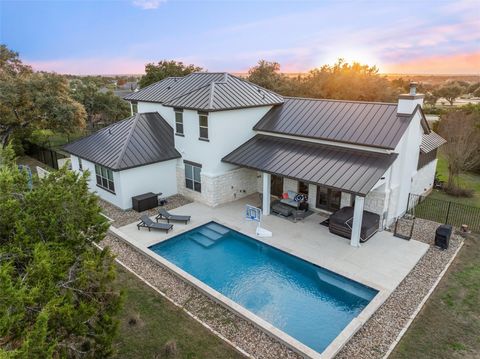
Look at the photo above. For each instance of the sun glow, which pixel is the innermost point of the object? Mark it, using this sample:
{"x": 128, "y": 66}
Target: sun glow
{"x": 349, "y": 55}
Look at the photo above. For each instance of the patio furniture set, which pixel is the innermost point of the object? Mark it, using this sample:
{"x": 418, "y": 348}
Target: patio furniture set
{"x": 291, "y": 204}
{"x": 147, "y": 222}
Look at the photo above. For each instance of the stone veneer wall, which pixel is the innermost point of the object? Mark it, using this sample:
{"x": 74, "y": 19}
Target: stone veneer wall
{"x": 220, "y": 189}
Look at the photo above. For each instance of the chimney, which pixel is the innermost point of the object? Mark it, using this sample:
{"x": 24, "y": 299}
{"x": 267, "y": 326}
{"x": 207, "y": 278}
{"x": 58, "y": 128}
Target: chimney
{"x": 408, "y": 102}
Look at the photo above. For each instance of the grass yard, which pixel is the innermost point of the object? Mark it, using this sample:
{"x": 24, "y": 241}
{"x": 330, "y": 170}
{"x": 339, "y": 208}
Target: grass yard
{"x": 467, "y": 180}
{"x": 449, "y": 324}
{"x": 150, "y": 323}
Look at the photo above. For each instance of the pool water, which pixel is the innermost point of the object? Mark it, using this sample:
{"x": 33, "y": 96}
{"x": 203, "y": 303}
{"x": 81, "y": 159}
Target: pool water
{"x": 310, "y": 303}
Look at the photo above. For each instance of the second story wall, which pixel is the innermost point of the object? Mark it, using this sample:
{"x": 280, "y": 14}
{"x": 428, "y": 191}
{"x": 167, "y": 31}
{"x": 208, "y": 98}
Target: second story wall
{"x": 227, "y": 130}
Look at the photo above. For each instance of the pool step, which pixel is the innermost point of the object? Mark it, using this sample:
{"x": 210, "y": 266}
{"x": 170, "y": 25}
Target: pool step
{"x": 204, "y": 241}
{"x": 210, "y": 234}
{"x": 217, "y": 228}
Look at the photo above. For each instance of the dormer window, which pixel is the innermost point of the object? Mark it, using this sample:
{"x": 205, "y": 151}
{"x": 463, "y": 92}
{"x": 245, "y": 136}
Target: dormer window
{"x": 203, "y": 125}
{"x": 179, "y": 121}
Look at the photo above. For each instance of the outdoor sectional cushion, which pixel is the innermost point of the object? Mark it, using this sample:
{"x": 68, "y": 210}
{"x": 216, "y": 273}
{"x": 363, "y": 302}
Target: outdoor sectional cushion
{"x": 341, "y": 222}
{"x": 291, "y": 199}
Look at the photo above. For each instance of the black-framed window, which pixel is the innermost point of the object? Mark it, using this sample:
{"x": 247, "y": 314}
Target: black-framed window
{"x": 203, "y": 125}
{"x": 104, "y": 178}
{"x": 179, "y": 121}
{"x": 80, "y": 164}
{"x": 193, "y": 179}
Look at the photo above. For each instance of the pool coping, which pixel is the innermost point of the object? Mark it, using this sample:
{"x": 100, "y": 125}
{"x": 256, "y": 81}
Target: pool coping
{"x": 330, "y": 351}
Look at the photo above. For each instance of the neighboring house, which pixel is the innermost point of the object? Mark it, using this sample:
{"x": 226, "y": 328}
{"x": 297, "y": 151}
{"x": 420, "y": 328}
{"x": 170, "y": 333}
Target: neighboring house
{"x": 235, "y": 138}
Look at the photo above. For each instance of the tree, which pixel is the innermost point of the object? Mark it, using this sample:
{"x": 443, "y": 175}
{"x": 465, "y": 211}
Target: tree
{"x": 344, "y": 81}
{"x": 461, "y": 128}
{"x": 164, "y": 69}
{"x": 267, "y": 74}
{"x": 450, "y": 92}
{"x": 99, "y": 106}
{"x": 30, "y": 100}
{"x": 57, "y": 292}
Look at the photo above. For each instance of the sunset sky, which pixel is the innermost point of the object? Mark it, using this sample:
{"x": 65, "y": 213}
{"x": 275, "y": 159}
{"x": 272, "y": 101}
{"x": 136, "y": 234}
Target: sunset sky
{"x": 114, "y": 37}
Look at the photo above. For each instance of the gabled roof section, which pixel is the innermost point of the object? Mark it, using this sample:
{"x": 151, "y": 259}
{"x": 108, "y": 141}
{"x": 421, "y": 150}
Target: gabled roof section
{"x": 136, "y": 141}
{"x": 374, "y": 124}
{"x": 431, "y": 141}
{"x": 349, "y": 170}
{"x": 207, "y": 91}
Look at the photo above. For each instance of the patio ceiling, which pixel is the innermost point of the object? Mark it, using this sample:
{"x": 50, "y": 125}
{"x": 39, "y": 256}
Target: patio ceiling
{"x": 348, "y": 170}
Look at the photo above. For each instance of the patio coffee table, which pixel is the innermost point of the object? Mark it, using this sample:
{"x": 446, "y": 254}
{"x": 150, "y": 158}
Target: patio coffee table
{"x": 282, "y": 209}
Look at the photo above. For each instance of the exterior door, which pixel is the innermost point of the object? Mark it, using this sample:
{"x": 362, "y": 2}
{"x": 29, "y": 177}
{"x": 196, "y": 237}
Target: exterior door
{"x": 328, "y": 199}
{"x": 276, "y": 185}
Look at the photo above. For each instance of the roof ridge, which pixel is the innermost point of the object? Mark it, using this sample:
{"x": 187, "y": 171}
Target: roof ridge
{"x": 127, "y": 140}
{"x": 255, "y": 85}
{"x": 336, "y": 100}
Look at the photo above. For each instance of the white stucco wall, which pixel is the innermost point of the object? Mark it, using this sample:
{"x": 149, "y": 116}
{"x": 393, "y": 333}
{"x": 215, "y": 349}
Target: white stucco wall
{"x": 157, "y": 177}
{"x": 422, "y": 181}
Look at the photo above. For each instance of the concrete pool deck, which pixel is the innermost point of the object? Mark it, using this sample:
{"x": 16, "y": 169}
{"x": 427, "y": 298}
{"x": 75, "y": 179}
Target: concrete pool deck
{"x": 382, "y": 263}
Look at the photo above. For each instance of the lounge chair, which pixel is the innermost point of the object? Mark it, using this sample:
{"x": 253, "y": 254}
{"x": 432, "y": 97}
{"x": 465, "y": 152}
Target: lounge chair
{"x": 146, "y": 222}
{"x": 163, "y": 214}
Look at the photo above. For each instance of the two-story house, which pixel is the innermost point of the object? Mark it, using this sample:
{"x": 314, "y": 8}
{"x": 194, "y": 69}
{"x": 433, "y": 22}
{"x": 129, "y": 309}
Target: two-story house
{"x": 215, "y": 138}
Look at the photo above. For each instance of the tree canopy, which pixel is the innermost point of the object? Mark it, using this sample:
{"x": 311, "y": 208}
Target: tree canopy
{"x": 57, "y": 297}
{"x": 341, "y": 81}
{"x": 164, "y": 69}
{"x": 100, "y": 106}
{"x": 450, "y": 92}
{"x": 30, "y": 100}
{"x": 461, "y": 128}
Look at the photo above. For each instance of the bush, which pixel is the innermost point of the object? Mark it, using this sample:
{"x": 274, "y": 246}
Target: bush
{"x": 460, "y": 192}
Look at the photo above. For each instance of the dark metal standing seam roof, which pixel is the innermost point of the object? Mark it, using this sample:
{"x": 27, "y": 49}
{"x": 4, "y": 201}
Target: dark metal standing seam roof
{"x": 207, "y": 91}
{"x": 431, "y": 141}
{"x": 365, "y": 123}
{"x": 348, "y": 170}
{"x": 139, "y": 140}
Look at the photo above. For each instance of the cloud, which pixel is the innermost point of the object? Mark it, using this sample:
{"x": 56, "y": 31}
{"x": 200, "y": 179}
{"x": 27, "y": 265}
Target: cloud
{"x": 148, "y": 4}
{"x": 465, "y": 63}
{"x": 91, "y": 66}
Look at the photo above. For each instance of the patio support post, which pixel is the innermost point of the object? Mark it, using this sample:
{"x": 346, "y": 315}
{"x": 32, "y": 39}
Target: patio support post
{"x": 266, "y": 193}
{"x": 357, "y": 221}
{"x": 131, "y": 108}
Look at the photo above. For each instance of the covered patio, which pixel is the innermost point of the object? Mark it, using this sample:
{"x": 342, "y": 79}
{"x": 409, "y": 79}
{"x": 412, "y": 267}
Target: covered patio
{"x": 347, "y": 169}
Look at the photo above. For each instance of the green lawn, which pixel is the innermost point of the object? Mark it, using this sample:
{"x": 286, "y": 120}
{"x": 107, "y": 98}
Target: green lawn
{"x": 449, "y": 324}
{"x": 149, "y": 322}
{"x": 467, "y": 180}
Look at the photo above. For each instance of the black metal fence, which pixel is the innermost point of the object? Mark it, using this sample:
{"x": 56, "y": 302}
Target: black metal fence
{"x": 43, "y": 154}
{"x": 442, "y": 211}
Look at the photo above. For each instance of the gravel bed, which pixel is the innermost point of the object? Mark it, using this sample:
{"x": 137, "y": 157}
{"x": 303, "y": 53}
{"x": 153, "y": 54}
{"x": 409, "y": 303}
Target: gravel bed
{"x": 371, "y": 341}
{"x": 375, "y": 337}
{"x": 122, "y": 218}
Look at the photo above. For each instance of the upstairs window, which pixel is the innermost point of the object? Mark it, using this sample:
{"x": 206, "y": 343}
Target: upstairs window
{"x": 104, "y": 178}
{"x": 193, "y": 179}
{"x": 134, "y": 107}
{"x": 203, "y": 124}
{"x": 179, "y": 121}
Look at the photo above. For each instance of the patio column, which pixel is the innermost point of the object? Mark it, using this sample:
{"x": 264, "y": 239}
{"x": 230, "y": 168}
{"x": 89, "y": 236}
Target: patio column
{"x": 131, "y": 109}
{"x": 357, "y": 221}
{"x": 266, "y": 193}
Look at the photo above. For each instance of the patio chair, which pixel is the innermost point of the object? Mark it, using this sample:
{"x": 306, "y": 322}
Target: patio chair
{"x": 146, "y": 222}
{"x": 163, "y": 214}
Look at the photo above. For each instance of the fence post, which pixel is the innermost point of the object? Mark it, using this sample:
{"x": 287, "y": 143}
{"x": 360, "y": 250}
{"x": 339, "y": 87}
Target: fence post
{"x": 448, "y": 212}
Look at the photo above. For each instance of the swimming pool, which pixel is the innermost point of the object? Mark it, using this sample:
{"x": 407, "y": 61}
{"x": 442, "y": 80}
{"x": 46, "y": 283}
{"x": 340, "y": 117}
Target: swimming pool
{"x": 309, "y": 303}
